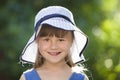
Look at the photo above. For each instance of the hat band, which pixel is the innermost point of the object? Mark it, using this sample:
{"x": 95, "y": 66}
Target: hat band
{"x": 51, "y": 16}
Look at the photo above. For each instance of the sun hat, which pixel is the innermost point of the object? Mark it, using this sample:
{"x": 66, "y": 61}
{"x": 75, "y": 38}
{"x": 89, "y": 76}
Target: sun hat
{"x": 59, "y": 17}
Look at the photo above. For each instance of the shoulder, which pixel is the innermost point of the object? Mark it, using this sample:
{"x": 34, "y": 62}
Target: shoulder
{"x": 80, "y": 76}
{"x": 22, "y": 77}
{"x": 79, "y": 73}
{"x": 85, "y": 77}
{"x": 26, "y": 73}
{"x": 29, "y": 71}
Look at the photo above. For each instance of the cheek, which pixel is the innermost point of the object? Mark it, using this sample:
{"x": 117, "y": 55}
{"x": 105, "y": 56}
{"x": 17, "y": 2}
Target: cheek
{"x": 66, "y": 46}
{"x": 41, "y": 46}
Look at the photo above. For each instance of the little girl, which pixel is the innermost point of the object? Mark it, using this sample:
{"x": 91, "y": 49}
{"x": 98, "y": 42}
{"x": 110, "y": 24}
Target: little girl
{"x": 55, "y": 47}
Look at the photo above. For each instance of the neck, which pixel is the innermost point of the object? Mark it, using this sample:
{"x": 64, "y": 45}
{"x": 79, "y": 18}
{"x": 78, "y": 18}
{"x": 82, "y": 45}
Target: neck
{"x": 55, "y": 66}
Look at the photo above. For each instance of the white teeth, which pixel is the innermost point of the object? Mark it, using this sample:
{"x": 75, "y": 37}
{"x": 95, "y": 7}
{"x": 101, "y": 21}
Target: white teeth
{"x": 54, "y": 53}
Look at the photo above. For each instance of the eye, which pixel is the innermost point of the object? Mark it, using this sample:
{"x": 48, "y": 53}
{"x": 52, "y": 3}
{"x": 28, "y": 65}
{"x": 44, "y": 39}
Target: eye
{"x": 61, "y": 39}
{"x": 46, "y": 39}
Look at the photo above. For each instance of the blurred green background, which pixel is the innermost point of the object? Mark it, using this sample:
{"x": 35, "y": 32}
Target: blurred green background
{"x": 99, "y": 19}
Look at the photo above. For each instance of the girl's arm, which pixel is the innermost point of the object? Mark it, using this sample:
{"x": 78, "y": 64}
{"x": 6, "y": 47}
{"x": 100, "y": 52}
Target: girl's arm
{"x": 86, "y": 78}
{"x": 22, "y": 77}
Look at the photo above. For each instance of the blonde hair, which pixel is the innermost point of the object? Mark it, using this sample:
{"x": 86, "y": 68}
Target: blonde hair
{"x": 48, "y": 30}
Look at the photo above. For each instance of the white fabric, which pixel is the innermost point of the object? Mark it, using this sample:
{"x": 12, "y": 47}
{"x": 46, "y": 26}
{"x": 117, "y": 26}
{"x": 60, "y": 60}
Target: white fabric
{"x": 52, "y": 10}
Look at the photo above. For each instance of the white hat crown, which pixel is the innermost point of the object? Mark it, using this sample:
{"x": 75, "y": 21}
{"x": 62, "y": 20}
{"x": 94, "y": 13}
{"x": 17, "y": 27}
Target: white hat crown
{"x": 54, "y": 10}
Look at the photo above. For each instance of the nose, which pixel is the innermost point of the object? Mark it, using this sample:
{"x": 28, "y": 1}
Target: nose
{"x": 53, "y": 44}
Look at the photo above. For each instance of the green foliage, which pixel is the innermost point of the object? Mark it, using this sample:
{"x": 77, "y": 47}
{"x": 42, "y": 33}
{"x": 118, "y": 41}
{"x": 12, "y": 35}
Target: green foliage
{"x": 99, "y": 19}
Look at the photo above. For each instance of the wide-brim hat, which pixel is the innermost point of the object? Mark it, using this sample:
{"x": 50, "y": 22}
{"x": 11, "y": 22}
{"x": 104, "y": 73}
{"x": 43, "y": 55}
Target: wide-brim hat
{"x": 59, "y": 17}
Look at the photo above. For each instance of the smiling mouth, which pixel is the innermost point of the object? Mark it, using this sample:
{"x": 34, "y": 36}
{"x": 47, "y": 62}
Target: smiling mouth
{"x": 54, "y": 53}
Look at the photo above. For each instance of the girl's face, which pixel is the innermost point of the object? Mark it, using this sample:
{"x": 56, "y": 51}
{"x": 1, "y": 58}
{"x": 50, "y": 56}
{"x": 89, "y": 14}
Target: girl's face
{"x": 54, "y": 49}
